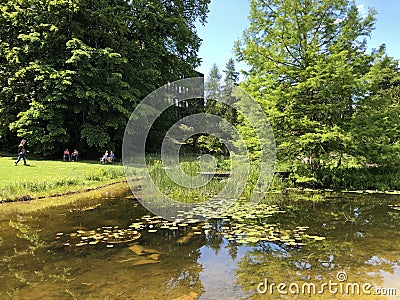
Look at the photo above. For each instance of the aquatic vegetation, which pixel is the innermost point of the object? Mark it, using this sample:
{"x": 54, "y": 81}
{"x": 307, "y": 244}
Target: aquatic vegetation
{"x": 106, "y": 235}
{"x": 250, "y": 224}
{"x": 183, "y": 193}
{"x": 21, "y": 278}
{"x": 26, "y": 232}
{"x": 395, "y": 207}
{"x": 64, "y": 276}
{"x": 254, "y": 239}
{"x": 242, "y": 223}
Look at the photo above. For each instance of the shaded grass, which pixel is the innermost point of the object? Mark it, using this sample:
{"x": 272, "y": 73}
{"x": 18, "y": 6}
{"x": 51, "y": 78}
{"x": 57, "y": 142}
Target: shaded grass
{"x": 48, "y": 178}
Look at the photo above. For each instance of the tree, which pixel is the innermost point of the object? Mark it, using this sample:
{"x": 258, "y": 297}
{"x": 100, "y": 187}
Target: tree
{"x": 376, "y": 124}
{"x": 231, "y": 76}
{"x": 213, "y": 86}
{"x": 31, "y": 50}
{"x": 72, "y": 71}
{"x": 307, "y": 59}
{"x": 230, "y": 81}
{"x": 213, "y": 93}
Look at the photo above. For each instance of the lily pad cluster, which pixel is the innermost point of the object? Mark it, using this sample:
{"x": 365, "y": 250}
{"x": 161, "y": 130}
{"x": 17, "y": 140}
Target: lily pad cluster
{"x": 241, "y": 223}
{"x": 395, "y": 207}
{"x": 153, "y": 224}
{"x": 105, "y": 235}
{"x": 249, "y": 224}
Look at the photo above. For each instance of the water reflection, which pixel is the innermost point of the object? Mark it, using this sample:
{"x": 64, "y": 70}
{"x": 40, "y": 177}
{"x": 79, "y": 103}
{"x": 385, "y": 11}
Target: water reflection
{"x": 362, "y": 240}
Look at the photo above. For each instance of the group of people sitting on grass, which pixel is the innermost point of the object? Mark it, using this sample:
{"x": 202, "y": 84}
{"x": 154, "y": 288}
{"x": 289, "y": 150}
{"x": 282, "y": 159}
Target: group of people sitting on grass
{"x": 70, "y": 157}
{"x": 107, "y": 158}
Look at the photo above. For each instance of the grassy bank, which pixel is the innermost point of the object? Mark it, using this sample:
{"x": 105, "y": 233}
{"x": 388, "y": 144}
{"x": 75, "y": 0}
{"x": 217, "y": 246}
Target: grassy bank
{"x": 346, "y": 178}
{"x": 83, "y": 199}
{"x": 45, "y": 178}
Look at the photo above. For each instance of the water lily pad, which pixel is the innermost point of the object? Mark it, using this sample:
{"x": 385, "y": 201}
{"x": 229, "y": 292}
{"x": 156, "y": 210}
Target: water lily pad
{"x": 154, "y": 256}
{"x": 241, "y": 241}
{"x": 252, "y": 239}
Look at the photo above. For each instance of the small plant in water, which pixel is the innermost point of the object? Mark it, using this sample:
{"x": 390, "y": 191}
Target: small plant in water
{"x": 25, "y": 232}
{"x": 65, "y": 276}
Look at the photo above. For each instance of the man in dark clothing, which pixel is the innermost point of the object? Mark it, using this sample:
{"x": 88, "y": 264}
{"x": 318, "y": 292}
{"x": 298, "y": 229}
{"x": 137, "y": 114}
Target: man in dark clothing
{"x": 21, "y": 153}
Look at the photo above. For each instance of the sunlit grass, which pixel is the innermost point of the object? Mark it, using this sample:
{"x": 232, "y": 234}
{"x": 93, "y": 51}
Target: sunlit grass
{"x": 191, "y": 167}
{"x": 47, "y": 178}
{"x": 182, "y": 192}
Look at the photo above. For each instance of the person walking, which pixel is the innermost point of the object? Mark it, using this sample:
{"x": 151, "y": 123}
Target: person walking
{"x": 21, "y": 153}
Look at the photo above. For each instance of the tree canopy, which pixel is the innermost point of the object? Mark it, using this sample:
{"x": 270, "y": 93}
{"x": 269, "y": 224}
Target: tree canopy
{"x": 309, "y": 69}
{"x": 73, "y": 71}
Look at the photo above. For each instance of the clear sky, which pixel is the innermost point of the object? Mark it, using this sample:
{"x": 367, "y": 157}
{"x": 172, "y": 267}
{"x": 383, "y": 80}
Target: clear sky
{"x": 228, "y": 18}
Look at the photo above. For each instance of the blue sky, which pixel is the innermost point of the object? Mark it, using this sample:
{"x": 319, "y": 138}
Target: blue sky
{"x": 228, "y": 18}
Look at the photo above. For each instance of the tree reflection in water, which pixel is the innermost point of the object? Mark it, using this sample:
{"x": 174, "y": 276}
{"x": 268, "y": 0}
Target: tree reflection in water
{"x": 362, "y": 240}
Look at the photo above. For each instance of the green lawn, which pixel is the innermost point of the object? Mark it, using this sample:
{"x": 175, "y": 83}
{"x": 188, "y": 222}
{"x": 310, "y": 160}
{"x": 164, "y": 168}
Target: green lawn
{"x": 47, "y": 178}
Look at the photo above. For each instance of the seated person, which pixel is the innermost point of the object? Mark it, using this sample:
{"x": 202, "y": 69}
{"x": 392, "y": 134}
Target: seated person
{"x": 104, "y": 158}
{"x": 74, "y": 155}
{"x": 66, "y": 155}
{"x": 111, "y": 157}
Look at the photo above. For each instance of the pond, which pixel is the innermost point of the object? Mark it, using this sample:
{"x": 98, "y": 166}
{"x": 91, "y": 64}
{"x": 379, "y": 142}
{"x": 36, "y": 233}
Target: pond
{"x": 110, "y": 247}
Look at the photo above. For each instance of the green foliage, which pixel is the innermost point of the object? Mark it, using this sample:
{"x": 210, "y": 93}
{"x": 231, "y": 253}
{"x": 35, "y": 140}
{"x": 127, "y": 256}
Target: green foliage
{"x": 219, "y": 102}
{"x": 362, "y": 178}
{"x": 376, "y": 126}
{"x": 307, "y": 59}
{"x": 74, "y": 70}
{"x": 191, "y": 167}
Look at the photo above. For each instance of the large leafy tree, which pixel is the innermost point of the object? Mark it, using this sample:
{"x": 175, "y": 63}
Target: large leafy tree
{"x": 307, "y": 59}
{"x": 72, "y": 71}
{"x": 376, "y": 124}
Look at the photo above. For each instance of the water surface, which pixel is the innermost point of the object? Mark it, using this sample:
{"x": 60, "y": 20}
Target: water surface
{"x": 362, "y": 242}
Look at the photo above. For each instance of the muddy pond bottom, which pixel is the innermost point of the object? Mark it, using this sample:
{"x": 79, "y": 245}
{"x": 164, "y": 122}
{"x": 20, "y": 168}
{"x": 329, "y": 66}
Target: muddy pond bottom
{"x": 332, "y": 246}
